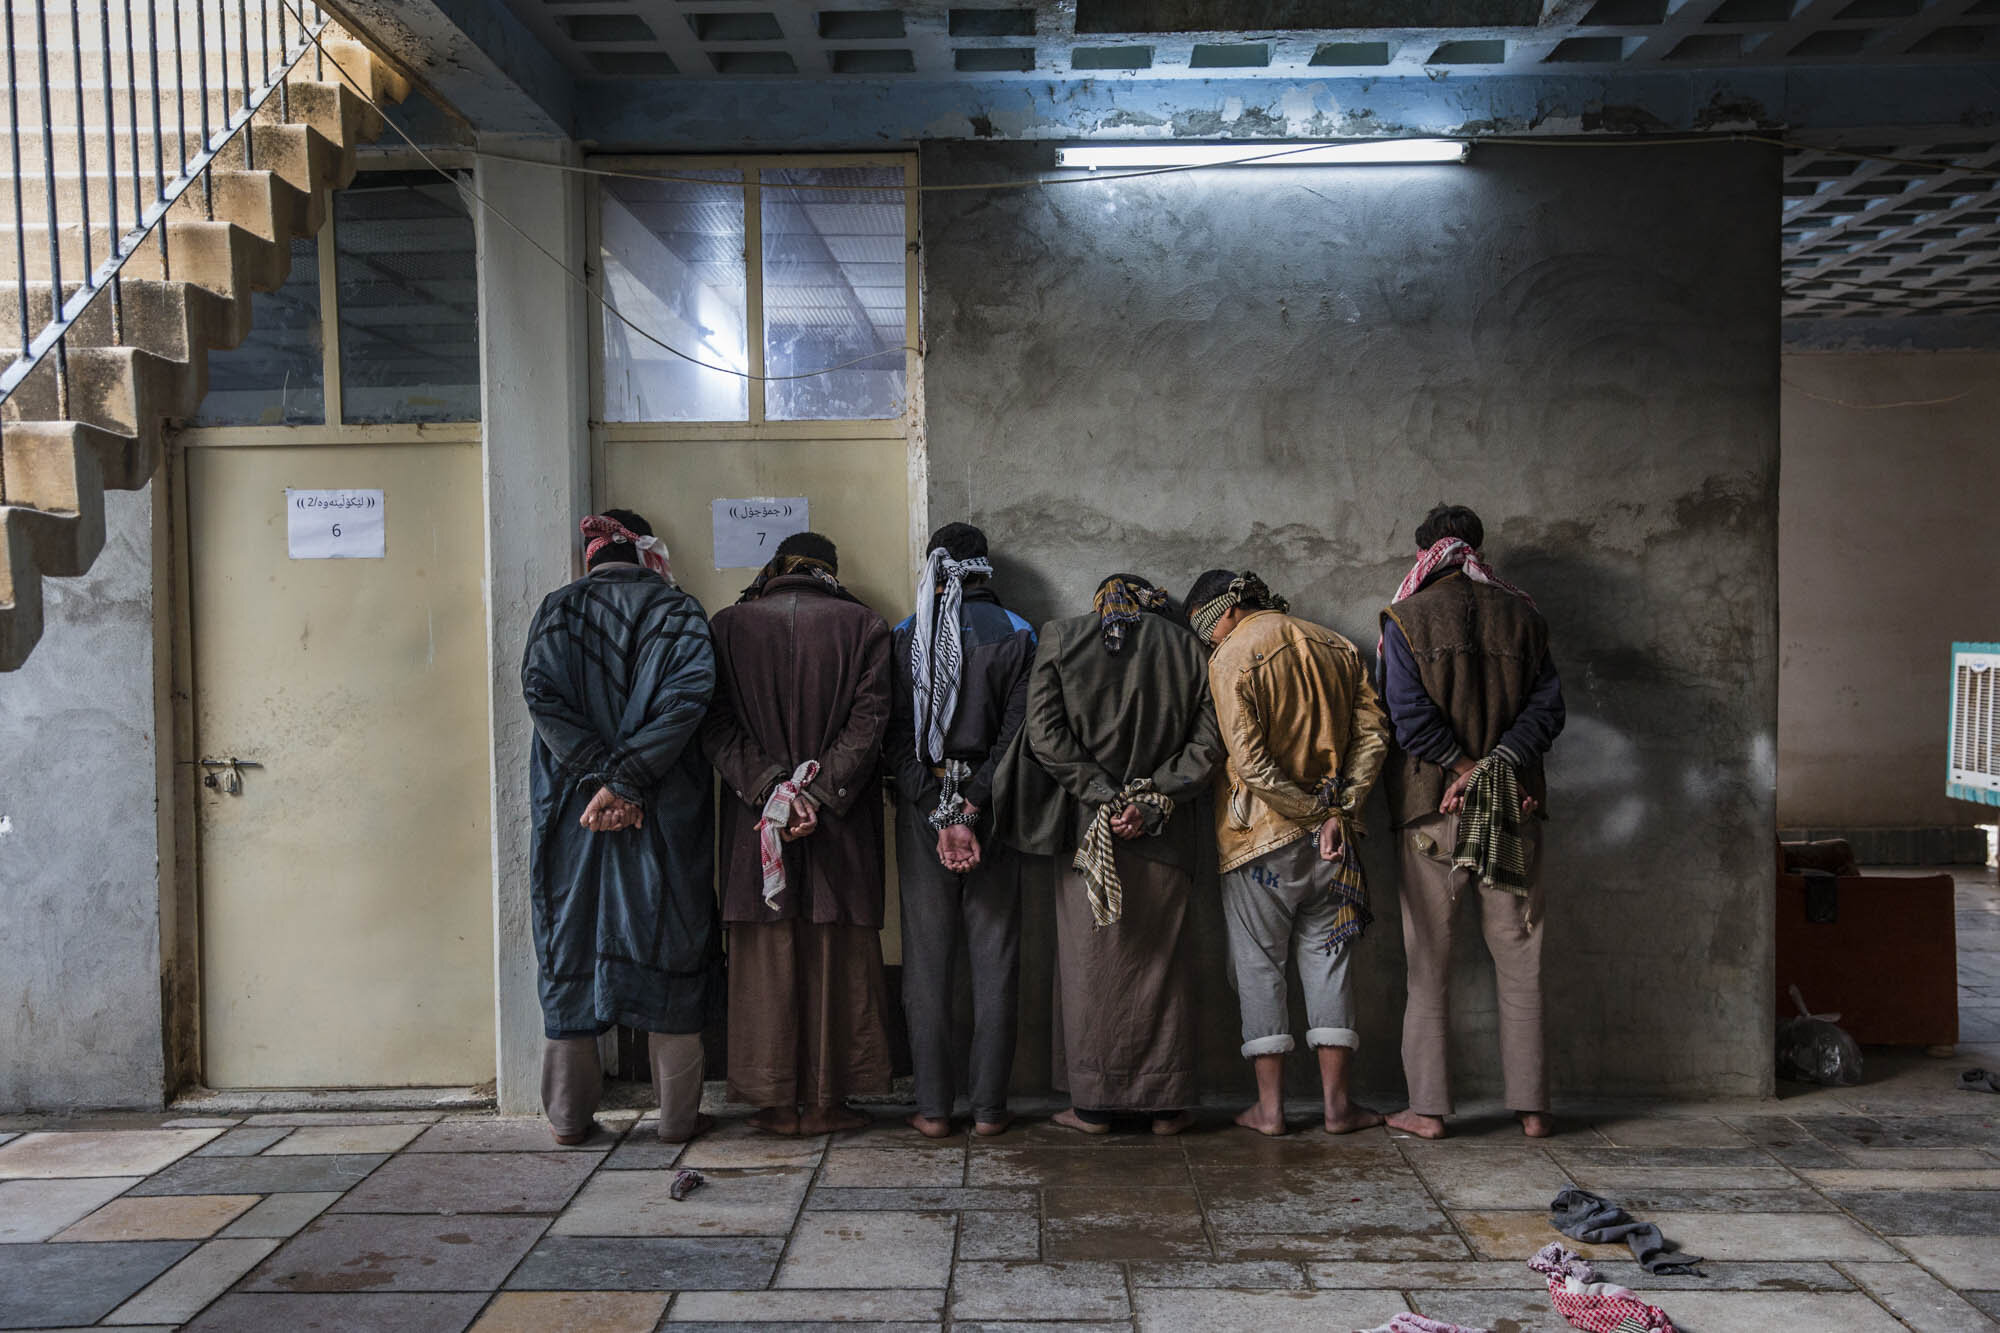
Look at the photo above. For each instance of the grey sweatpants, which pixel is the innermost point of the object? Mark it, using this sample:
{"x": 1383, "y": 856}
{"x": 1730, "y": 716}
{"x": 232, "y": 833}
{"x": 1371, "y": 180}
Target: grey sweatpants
{"x": 1278, "y": 906}
{"x": 940, "y": 907}
{"x": 573, "y": 1082}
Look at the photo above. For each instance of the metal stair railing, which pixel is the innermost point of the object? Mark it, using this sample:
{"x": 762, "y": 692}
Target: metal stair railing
{"x": 264, "y": 40}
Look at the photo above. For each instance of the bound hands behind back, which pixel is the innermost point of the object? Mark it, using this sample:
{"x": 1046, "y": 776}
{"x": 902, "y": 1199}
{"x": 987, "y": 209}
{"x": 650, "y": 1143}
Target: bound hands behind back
{"x": 608, "y": 813}
{"x": 958, "y": 846}
{"x": 1453, "y": 800}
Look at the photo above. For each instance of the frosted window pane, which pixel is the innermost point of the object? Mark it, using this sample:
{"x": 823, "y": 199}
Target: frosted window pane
{"x": 408, "y": 268}
{"x": 833, "y": 292}
{"x": 672, "y": 256}
{"x": 272, "y": 378}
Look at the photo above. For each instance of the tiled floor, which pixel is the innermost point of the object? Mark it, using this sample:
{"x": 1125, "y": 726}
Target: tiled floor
{"x": 1842, "y": 1210}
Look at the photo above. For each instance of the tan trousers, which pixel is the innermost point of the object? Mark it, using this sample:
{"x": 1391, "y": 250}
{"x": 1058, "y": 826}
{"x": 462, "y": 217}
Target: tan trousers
{"x": 1513, "y": 930}
{"x": 573, "y": 1082}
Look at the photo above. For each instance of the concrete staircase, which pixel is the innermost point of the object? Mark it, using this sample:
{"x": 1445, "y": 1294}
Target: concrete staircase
{"x": 55, "y": 465}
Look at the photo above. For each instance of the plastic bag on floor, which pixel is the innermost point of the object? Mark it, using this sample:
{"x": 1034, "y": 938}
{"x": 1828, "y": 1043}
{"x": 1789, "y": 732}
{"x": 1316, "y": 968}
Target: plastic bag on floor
{"x": 1813, "y": 1048}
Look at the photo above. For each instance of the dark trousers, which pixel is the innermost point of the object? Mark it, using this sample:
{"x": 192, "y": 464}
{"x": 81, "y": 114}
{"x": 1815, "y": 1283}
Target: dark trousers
{"x": 940, "y": 908}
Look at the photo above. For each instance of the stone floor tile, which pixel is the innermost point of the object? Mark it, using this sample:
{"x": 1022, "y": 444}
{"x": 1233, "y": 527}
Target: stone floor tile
{"x": 7, "y": 1136}
{"x": 296, "y": 1118}
{"x": 140, "y": 1152}
{"x": 1761, "y": 1312}
{"x": 280, "y": 1215}
{"x": 572, "y": 1312}
{"x": 1850, "y": 1178}
{"x": 922, "y": 1200}
{"x": 894, "y": 1168}
{"x": 648, "y": 1263}
{"x": 1001, "y": 1291}
{"x": 1515, "y": 1311}
{"x": 806, "y": 1307}
{"x": 1669, "y": 1132}
{"x": 344, "y": 1312}
{"x": 513, "y": 1134}
{"x": 733, "y": 1143}
{"x": 1848, "y": 1132}
{"x": 1925, "y": 1212}
{"x": 1489, "y": 1276}
{"x": 1395, "y": 1248}
{"x": 1025, "y": 1166}
{"x": 381, "y": 1253}
{"x": 999, "y": 1236}
{"x": 183, "y": 1291}
{"x": 1123, "y": 1224}
{"x": 1643, "y": 1202}
{"x": 1617, "y": 1182}
{"x": 644, "y": 1152}
{"x": 1042, "y": 1326}
{"x": 1987, "y": 1302}
{"x": 870, "y": 1250}
{"x": 1500, "y": 1178}
{"x": 1786, "y": 1140}
{"x": 32, "y": 1210}
{"x": 890, "y": 1131}
{"x": 1729, "y": 1275}
{"x": 1516, "y": 1235}
{"x": 246, "y": 1141}
{"x": 53, "y": 1285}
{"x": 513, "y": 1182}
{"x": 262, "y": 1175}
{"x": 332, "y": 1140}
{"x": 1372, "y": 1201}
{"x": 172, "y": 1217}
{"x": 1770, "y": 1236}
{"x": 1967, "y": 1263}
{"x": 1248, "y": 1275}
{"x": 202, "y": 1122}
{"x": 1920, "y": 1300}
{"x": 1307, "y": 1145}
{"x": 801, "y": 1326}
{"x": 732, "y": 1203}
{"x": 1263, "y": 1311}
{"x": 1920, "y": 1159}
{"x": 1047, "y": 1134}
{"x": 1579, "y": 1158}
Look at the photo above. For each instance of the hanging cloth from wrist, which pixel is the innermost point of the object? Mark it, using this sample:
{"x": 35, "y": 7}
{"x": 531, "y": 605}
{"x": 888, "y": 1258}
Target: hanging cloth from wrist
{"x": 1096, "y": 856}
{"x": 778, "y": 807}
{"x": 1489, "y": 843}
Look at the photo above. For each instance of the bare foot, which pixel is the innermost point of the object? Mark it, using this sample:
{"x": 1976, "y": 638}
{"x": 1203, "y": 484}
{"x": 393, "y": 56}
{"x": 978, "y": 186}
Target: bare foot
{"x": 1069, "y": 1119}
{"x": 1271, "y": 1123}
{"x": 931, "y": 1126}
{"x": 832, "y": 1120}
{"x": 1423, "y": 1126}
{"x": 776, "y": 1120}
{"x": 987, "y": 1129}
{"x": 1537, "y": 1125}
{"x": 1356, "y": 1116}
{"x": 571, "y": 1140}
{"x": 1173, "y": 1124}
{"x": 702, "y": 1124}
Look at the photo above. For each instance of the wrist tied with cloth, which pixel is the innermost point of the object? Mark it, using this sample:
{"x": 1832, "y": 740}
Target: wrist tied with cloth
{"x": 1490, "y": 842}
{"x": 951, "y": 810}
{"x": 778, "y": 807}
{"x": 1096, "y": 857}
{"x": 1348, "y": 884}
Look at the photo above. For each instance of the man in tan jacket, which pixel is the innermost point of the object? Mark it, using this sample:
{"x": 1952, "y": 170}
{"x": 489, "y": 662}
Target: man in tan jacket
{"x": 1306, "y": 736}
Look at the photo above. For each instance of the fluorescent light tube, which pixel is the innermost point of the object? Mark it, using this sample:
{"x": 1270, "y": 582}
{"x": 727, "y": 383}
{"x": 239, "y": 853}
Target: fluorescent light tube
{"x": 1268, "y": 154}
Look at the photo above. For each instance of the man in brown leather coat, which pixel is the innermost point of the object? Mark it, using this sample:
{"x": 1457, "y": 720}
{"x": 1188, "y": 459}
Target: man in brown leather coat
{"x": 801, "y": 706}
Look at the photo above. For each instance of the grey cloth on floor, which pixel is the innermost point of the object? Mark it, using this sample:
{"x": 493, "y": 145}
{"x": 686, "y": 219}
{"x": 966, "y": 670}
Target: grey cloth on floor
{"x": 1584, "y": 1216}
{"x": 1978, "y": 1080}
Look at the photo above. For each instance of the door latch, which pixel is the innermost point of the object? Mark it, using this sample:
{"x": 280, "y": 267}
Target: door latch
{"x": 226, "y": 775}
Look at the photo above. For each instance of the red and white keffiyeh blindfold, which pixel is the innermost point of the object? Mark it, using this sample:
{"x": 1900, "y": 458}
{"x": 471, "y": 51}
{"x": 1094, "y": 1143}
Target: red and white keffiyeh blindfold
{"x": 600, "y": 532}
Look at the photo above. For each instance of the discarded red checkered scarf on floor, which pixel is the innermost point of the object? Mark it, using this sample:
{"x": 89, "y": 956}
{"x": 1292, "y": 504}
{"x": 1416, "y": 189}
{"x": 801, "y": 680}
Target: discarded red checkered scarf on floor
{"x": 1416, "y": 1323}
{"x": 1598, "y": 1307}
{"x": 600, "y": 531}
{"x": 1449, "y": 553}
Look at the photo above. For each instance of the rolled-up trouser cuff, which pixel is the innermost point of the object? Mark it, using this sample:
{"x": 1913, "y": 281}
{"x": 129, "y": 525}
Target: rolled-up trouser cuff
{"x": 1348, "y": 1037}
{"x": 1277, "y": 1045}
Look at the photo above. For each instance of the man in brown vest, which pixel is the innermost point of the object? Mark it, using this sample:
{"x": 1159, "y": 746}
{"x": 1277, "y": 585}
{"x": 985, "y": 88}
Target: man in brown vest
{"x": 1475, "y": 703}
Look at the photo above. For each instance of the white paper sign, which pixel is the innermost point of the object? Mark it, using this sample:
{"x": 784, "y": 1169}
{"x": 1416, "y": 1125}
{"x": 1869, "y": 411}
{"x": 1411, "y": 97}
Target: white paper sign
{"x": 747, "y": 532}
{"x": 335, "y": 525}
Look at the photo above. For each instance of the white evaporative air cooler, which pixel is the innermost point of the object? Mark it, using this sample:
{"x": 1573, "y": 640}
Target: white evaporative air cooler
{"x": 1975, "y": 722}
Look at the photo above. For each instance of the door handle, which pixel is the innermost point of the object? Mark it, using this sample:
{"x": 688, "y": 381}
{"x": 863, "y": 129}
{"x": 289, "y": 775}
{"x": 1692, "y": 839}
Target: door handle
{"x": 226, "y": 775}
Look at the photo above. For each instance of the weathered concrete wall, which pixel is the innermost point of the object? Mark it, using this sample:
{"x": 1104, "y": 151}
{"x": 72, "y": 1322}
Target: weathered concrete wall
{"x": 1283, "y": 369}
{"x": 1876, "y": 578}
{"x": 79, "y": 842}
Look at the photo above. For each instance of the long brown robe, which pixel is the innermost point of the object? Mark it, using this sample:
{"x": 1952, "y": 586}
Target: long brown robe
{"x": 803, "y": 674}
{"x": 1097, "y": 720}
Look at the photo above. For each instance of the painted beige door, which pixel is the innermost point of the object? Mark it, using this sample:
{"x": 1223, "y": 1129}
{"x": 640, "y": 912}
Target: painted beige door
{"x": 345, "y": 893}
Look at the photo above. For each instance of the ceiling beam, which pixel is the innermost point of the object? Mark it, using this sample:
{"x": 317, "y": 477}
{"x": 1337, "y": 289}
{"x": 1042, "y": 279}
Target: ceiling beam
{"x": 473, "y": 57}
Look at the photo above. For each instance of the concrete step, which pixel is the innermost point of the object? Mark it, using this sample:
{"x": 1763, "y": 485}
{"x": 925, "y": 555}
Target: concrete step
{"x": 116, "y": 389}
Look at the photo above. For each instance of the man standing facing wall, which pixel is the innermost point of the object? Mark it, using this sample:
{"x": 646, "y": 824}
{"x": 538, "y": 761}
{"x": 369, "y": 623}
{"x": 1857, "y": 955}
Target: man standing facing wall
{"x": 801, "y": 705}
{"x": 961, "y": 690}
{"x": 1306, "y": 738}
{"x": 617, "y": 674}
{"x": 1475, "y": 701}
